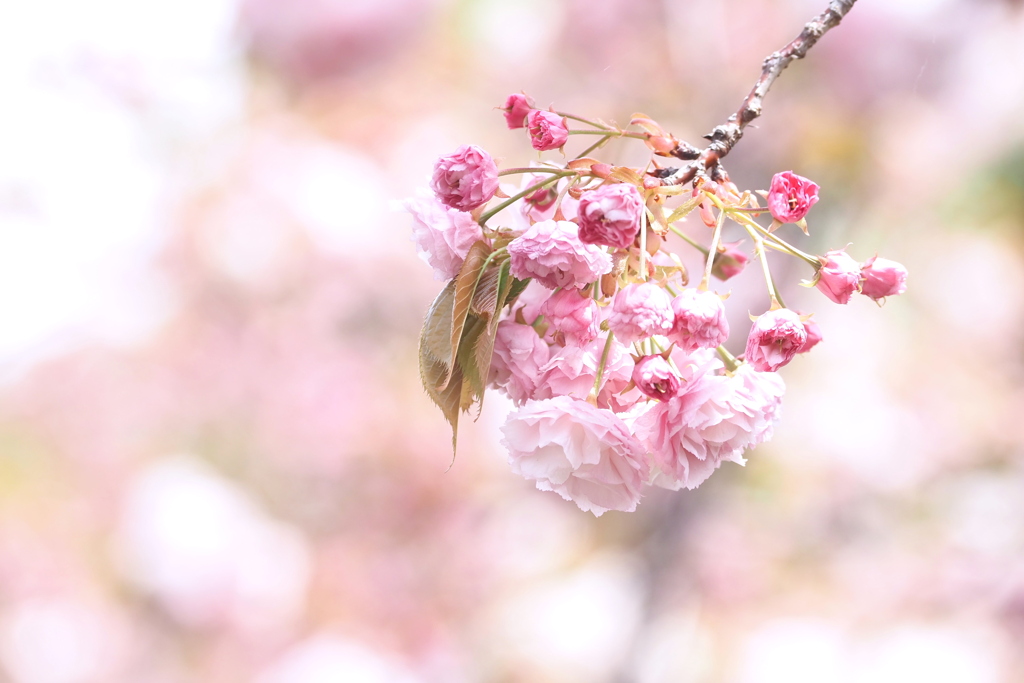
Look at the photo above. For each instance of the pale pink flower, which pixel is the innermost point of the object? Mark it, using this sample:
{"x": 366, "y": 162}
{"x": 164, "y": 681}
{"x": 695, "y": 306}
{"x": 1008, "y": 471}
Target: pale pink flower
{"x": 466, "y": 179}
{"x": 551, "y": 252}
{"x": 575, "y": 316}
{"x": 443, "y": 236}
{"x": 519, "y": 352}
{"x": 572, "y": 371}
{"x": 639, "y": 311}
{"x": 547, "y": 130}
{"x": 690, "y": 435}
{"x": 711, "y": 421}
{"x": 759, "y": 397}
{"x": 839, "y": 276}
{"x": 700, "y": 321}
{"x": 582, "y": 453}
{"x": 790, "y": 197}
{"x": 775, "y": 338}
{"x": 730, "y": 260}
{"x": 517, "y": 106}
{"x": 813, "y": 331}
{"x": 654, "y": 377}
{"x": 610, "y": 215}
{"x": 882, "y": 278}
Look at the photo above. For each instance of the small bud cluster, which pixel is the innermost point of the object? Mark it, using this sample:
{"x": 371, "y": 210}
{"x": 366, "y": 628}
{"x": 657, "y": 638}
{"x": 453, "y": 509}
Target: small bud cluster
{"x": 566, "y": 296}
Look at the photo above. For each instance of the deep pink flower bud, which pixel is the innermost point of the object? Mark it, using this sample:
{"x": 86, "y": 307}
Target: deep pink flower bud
{"x": 839, "y": 276}
{"x": 574, "y": 315}
{"x": 466, "y": 179}
{"x": 610, "y": 215}
{"x": 654, "y": 377}
{"x": 882, "y": 278}
{"x": 791, "y": 197}
{"x": 547, "y": 130}
{"x": 729, "y": 261}
{"x": 774, "y": 339}
{"x": 813, "y": 331}
{"x": 640, "y": 311}
{"x": 700, "y": 321}
{"x": 517, "y": 106}
{"x": 551, "y": 253}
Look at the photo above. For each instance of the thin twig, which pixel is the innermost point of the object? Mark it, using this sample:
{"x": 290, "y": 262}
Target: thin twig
{"x": 724, "y": 137}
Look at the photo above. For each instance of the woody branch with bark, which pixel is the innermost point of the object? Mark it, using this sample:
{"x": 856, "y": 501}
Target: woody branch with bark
{"x": 724, "y": 137}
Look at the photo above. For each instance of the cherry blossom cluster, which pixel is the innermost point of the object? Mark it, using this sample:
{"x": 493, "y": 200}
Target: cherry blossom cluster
{"x": 614, "y": 360}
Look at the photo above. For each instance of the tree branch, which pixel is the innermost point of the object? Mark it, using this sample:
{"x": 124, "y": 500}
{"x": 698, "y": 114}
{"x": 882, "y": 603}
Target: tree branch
{"x": 724, "y": 137}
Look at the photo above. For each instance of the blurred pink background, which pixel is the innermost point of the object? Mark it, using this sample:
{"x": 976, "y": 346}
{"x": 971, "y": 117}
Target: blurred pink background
{"x": 216, "y": 460}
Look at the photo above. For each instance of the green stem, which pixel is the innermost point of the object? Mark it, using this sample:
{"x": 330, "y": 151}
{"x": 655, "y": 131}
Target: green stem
{"x": 728, "y": 359}
{"x": 582, "y": 120}
{"x": 696, "y": 245}
{"x": 597, "y": 145}
{"x": 643, "y": 246}
{"x": 750, "y": 223}
{"x": 610, "y": 133}
{"x": 600, "y": 368}
{"x": 759, "y": 249}
{"x": 536, "y": 169}
{"x": 530, "y": 190}
{"x": 712, "y": 251}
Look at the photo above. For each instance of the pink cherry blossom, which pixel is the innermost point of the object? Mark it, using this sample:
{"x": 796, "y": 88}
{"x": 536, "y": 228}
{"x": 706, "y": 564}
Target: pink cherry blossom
{"x": 882, "y": 278}
{"x": 573, "y": 315}
{"x": 839, "y": 276}
{"x": 690, "y": 435}
{"x": 518, "y": 354}
{"x": 711, "y": 421}
{"x": 639, "y": 311}
{"x": 610, "y": 215}
{"x": 517, "y": 106}
{"x": 774, "y": 339}
{"x": 790, "y": 197}
{"x": 729, "y": 261}
{"x": 654, "y": 377}
{"x": 582, "y": 453}
{"x": 814, "y": 336}
{"x": 700, "y": 321}
{"x": 572, "y": 371}
{"x": 443, "y": 236}
{"x": 759, "y": 397}
{"x": 466, "y": 179}
{"x": 547, "y": 130}
{"x": 551, "y": 252}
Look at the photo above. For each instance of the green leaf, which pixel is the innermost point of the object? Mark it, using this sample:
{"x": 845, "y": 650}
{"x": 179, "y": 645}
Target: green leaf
{"x": 682, "y": 210}
{"x": 517, "y": 288}
{"x": 465, "y": 286}
{"x": 483, "y": 349}
{"x": 474, "y": 378}
{"x": 434, "y": 352}
{"x": 486, "y": 296}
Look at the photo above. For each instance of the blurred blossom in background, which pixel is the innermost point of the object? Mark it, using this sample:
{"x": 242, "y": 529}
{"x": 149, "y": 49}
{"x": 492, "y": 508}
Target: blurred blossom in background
{"x": 216, "y": 460}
